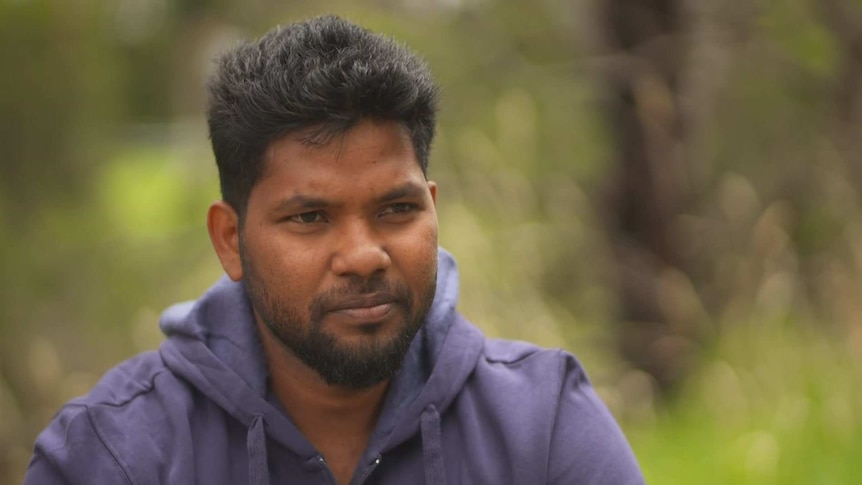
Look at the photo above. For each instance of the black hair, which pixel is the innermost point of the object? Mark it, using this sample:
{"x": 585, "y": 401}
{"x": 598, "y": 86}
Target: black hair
{"x": 319, "y": 77}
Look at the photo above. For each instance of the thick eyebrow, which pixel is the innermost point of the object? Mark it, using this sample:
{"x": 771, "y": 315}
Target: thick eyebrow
{"x": 305, "y": 202}
{"x": 407, "y": 190}
{"x": 300, "y": 201}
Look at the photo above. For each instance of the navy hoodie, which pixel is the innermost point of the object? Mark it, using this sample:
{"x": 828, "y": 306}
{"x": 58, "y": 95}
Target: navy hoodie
{"x": 463, "y": 409}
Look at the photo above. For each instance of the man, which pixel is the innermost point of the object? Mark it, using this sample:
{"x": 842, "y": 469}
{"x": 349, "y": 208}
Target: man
{"x": 332, "y": 351}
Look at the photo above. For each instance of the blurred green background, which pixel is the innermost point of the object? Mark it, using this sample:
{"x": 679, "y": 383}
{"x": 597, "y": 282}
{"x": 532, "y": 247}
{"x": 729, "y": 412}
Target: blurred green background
{"x": 668, "y": 188}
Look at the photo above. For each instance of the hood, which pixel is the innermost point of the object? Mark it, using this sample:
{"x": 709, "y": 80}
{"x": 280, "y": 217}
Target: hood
{"x": 213, "y": 343}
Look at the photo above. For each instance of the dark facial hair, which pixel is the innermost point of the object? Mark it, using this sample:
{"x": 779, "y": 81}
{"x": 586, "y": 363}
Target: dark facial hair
{"x": 351, "y": 366}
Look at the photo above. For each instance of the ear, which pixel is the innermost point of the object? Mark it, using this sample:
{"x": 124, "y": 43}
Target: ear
{"x": 432, "y": 186}
{"x": 223, "y": 226}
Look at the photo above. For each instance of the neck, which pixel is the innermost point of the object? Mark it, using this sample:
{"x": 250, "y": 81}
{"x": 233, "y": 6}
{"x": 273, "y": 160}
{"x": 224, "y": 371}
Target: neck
{"x": 315, "y": 405}
{"x": 338, "y": 421}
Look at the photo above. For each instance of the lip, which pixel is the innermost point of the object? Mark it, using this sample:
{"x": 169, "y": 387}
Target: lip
{"x": 365, "y": 309}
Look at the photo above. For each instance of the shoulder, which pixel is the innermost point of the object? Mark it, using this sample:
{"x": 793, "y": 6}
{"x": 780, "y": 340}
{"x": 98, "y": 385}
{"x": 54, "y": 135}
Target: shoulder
{"x": 531, "y": 365}
{"x": 87, "y": 439}
{"x": 546, "y": 395}
{"x": 515, "y": 389}
{"x": 126, "y": 381}
{"x": 72, "y": 450}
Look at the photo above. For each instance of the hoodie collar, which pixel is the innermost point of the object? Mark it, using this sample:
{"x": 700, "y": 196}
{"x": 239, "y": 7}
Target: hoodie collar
{"x": 214, "y": 344}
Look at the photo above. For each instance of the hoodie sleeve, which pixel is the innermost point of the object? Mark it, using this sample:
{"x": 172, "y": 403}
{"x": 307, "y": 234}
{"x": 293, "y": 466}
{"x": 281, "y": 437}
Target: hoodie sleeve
{"x": 587, "y": 445}
{"x": 71, "y": 452}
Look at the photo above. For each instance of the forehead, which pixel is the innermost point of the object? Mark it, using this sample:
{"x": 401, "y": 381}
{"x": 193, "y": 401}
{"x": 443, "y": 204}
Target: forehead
{"x": 370, "y": 154}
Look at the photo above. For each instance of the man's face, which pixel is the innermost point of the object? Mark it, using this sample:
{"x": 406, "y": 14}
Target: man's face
{"x": 339, "y": 251}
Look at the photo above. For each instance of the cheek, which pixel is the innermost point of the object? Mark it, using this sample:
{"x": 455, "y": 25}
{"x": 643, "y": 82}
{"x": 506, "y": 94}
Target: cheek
{"x": 419, "y": 252}
{"x": 282, "y": 262}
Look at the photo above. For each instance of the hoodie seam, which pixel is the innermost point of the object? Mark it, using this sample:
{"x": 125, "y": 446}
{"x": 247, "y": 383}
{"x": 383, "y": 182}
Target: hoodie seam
{"x": 46, "y": 455}
{"x": 516, "y": 360}
{"x": 110, "y": 449}
{"x": 147, "y": 386}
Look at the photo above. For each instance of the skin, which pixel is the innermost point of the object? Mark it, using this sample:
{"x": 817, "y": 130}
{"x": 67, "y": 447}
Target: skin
{"x": 322, "y": 221}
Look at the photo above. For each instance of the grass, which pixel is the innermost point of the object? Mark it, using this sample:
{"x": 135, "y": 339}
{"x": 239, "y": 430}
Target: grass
{"x": 773, "y": 403}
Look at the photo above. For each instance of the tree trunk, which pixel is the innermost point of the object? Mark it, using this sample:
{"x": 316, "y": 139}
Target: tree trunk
{"x": 649, "y": 185}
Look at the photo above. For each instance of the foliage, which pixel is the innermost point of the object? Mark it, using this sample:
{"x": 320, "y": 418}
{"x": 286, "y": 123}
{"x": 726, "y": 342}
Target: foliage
{"x": 107, "y": 175}
{"x": 774, "y": 402}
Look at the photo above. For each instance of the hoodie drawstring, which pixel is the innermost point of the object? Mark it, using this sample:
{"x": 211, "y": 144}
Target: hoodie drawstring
{"x": 258, "y": 471}
{"x": 432, "y": 447}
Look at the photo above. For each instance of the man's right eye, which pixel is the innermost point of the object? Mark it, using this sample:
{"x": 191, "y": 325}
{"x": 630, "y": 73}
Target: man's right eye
{"x": 307, "y": 218}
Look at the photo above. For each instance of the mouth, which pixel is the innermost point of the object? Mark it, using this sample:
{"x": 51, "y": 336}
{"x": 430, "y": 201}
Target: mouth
{"x": 365, "y": 309}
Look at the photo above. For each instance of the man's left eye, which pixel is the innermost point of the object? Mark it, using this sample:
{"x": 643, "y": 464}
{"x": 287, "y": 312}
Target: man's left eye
{"x": 398, "y": 208}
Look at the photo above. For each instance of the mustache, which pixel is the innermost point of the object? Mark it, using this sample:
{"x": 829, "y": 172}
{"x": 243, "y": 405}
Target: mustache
{"x": 369, "y": 291}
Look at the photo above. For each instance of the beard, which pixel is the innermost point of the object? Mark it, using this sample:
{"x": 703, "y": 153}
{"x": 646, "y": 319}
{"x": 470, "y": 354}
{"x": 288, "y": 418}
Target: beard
{"x": 355, "y": 366}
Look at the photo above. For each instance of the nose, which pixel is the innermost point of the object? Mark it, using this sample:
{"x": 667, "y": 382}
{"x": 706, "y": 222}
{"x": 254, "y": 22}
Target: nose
{"x": 360, "y": 251}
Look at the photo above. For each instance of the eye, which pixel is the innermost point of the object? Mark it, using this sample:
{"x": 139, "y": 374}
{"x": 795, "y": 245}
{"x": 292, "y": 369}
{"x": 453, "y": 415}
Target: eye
{"x": 399, "y": 212}
{"x": 399, "y": 208}
{"x": 307, "y": 218}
